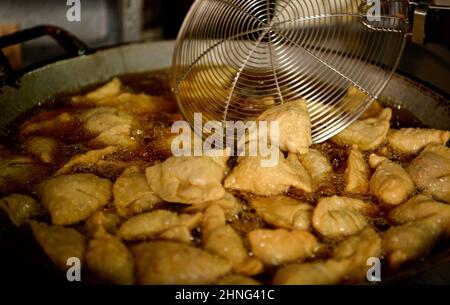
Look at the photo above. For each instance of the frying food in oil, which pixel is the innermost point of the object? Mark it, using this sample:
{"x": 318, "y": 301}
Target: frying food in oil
{"x": 94, "y": 178}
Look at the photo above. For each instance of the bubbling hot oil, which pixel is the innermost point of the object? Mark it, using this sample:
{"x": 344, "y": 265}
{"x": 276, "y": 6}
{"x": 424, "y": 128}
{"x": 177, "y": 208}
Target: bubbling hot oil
{"x": 152, "y": 148}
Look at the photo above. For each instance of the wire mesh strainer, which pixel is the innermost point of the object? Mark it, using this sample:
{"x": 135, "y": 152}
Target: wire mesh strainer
{"x": 236, "y": 58}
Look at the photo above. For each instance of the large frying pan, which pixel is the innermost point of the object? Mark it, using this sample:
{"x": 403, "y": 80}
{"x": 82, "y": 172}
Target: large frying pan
{"x": 20, "y": 257}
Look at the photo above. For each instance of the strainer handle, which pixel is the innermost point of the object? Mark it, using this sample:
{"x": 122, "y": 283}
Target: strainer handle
{"x": 430, "y": 23}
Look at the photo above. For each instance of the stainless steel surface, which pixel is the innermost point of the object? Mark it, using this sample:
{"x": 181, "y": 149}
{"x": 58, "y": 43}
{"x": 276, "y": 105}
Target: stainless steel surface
{"x": 428, "y": 64}
{"x": 430, "y": 21}
{"x": 441, "y": 2}
{"x": 418, "y": 31}
{"x": 99, "y": 23}
{"x": 283, "y": 50}
{"x": 102, "y": 23}
{"x": 131, "y": 19}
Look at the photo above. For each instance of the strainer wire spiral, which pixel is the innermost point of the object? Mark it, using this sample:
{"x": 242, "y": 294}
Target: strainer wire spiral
{"x": 236, "y": 58}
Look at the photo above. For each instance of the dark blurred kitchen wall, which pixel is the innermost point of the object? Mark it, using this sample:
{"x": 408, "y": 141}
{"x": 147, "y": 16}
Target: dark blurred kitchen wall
{"x": 111, "y": 22}
{"x": 103, "y": 22}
